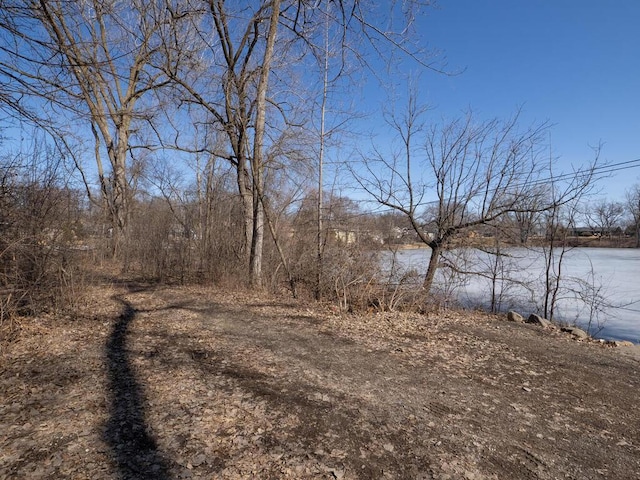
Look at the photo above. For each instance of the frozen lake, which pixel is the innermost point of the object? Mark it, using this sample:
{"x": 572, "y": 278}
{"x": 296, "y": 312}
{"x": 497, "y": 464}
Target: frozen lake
{"x": 607, "y": 278}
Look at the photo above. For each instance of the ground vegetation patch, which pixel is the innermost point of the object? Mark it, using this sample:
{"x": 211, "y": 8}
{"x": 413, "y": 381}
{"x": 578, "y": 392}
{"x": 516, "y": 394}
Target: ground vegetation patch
{"x": 177, "y": 383}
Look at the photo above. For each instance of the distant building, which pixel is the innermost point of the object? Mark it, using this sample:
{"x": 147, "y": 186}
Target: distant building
{"x": 348, "y": 237}
{"x": 595, "y": 232}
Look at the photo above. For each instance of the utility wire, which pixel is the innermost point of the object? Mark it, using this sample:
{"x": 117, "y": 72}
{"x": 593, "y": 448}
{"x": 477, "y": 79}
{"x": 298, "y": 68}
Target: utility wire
{"x": 599, "y": 172}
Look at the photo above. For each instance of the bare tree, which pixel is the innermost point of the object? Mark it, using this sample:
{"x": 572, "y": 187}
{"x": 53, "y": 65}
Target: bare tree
{"x": 228, "y": 75}
{"x": 102, "y": 65}
{"x": 633, "y": 208}
{"x": 88, "y": 64}
{"x": 557, "y": 222}
{"x": 40, "y": 223}
{"x": 564, "y": 195}
{"x": 478, "y": 172}
{"x": 526, "y": 218}
{"x": 604, "y": 216}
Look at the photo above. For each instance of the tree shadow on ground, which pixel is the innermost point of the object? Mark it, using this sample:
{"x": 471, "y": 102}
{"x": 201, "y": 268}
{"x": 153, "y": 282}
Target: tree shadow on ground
{"x": 132, "y": 445}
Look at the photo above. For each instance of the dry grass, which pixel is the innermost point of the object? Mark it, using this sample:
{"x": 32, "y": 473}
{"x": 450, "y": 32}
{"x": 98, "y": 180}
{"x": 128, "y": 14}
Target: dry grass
{"x": 194, "y": 383}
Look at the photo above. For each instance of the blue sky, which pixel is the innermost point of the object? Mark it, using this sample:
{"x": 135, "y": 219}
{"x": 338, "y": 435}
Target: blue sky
{"x": 573, "y": 63}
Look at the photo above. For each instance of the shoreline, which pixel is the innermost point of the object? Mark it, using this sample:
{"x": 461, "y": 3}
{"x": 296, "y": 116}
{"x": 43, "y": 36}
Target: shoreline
{"x": 595, "y": 244}
{"x": 607, "y": 272}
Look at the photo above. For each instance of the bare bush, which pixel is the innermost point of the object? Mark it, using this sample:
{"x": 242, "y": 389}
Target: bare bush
{"x": 180, "y": 240}
{"x": 41, "y": 231}
{"x": 351, "y": 275}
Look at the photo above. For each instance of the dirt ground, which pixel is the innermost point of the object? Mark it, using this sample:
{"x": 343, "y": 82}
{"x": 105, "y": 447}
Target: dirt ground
{"x": 186, "y": 383}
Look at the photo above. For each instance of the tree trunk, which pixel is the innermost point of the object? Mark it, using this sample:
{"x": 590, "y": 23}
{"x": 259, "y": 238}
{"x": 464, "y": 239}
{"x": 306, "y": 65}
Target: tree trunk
{"x": 119, "y": 189}
{"x": 257, "y": 241}
{"x": 434, "y": 259}
{"x": 246, "y": 199}
{"x": 257, "y": 166}
{"x": 276, "y": 241}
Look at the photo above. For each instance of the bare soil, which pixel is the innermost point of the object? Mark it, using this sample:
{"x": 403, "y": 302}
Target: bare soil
{"x": 179, "y": 383}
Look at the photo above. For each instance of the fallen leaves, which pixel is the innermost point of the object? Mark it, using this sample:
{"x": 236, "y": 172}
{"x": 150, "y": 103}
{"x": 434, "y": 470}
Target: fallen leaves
{"x": 234, "y": 385}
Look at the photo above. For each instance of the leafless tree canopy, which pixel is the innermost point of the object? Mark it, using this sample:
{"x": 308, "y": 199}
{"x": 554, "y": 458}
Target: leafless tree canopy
{"x": 449, "y": 177}
{"x": 633, "y": 208}
{"x": 87, "y": 65}
{"x": 604, "y": 216}
{"x": 198, "y": 131}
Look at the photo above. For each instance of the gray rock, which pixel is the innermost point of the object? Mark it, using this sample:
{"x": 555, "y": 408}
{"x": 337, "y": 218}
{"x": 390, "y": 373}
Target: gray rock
{"x": 538, "y": 320}
{"x": 576, "y": 332}
{"x": 515, "y": 317}
{"x": 579, "y": 333}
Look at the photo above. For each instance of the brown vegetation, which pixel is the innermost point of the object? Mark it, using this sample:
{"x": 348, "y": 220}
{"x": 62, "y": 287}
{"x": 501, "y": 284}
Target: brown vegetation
{"x": 200, "y": 135}
{"x": 164, "y": 383}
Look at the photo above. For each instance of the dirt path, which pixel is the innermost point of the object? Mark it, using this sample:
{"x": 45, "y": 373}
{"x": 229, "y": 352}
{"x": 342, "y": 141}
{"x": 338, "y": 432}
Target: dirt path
{"x": 185, "y": 383}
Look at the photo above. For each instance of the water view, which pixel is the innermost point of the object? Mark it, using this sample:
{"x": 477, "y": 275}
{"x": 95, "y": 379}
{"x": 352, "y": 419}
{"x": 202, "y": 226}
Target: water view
{"x": 599, "y": 292}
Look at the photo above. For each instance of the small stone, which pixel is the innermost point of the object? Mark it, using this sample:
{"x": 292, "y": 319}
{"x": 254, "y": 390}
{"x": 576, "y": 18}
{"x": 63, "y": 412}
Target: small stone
{"x": 526, "y": 389}
{"x": 538, "y": 320}
{"x": 388, "y": 447}
{"x": 337, "y": 473}
{"x": 579, "y": 333}
{"x": 515, "y": 317}
{"x": 576, "y": 332}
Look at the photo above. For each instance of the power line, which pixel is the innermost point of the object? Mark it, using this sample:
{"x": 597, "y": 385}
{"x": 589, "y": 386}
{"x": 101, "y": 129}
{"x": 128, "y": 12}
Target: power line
{"x": 598, "y": 172}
